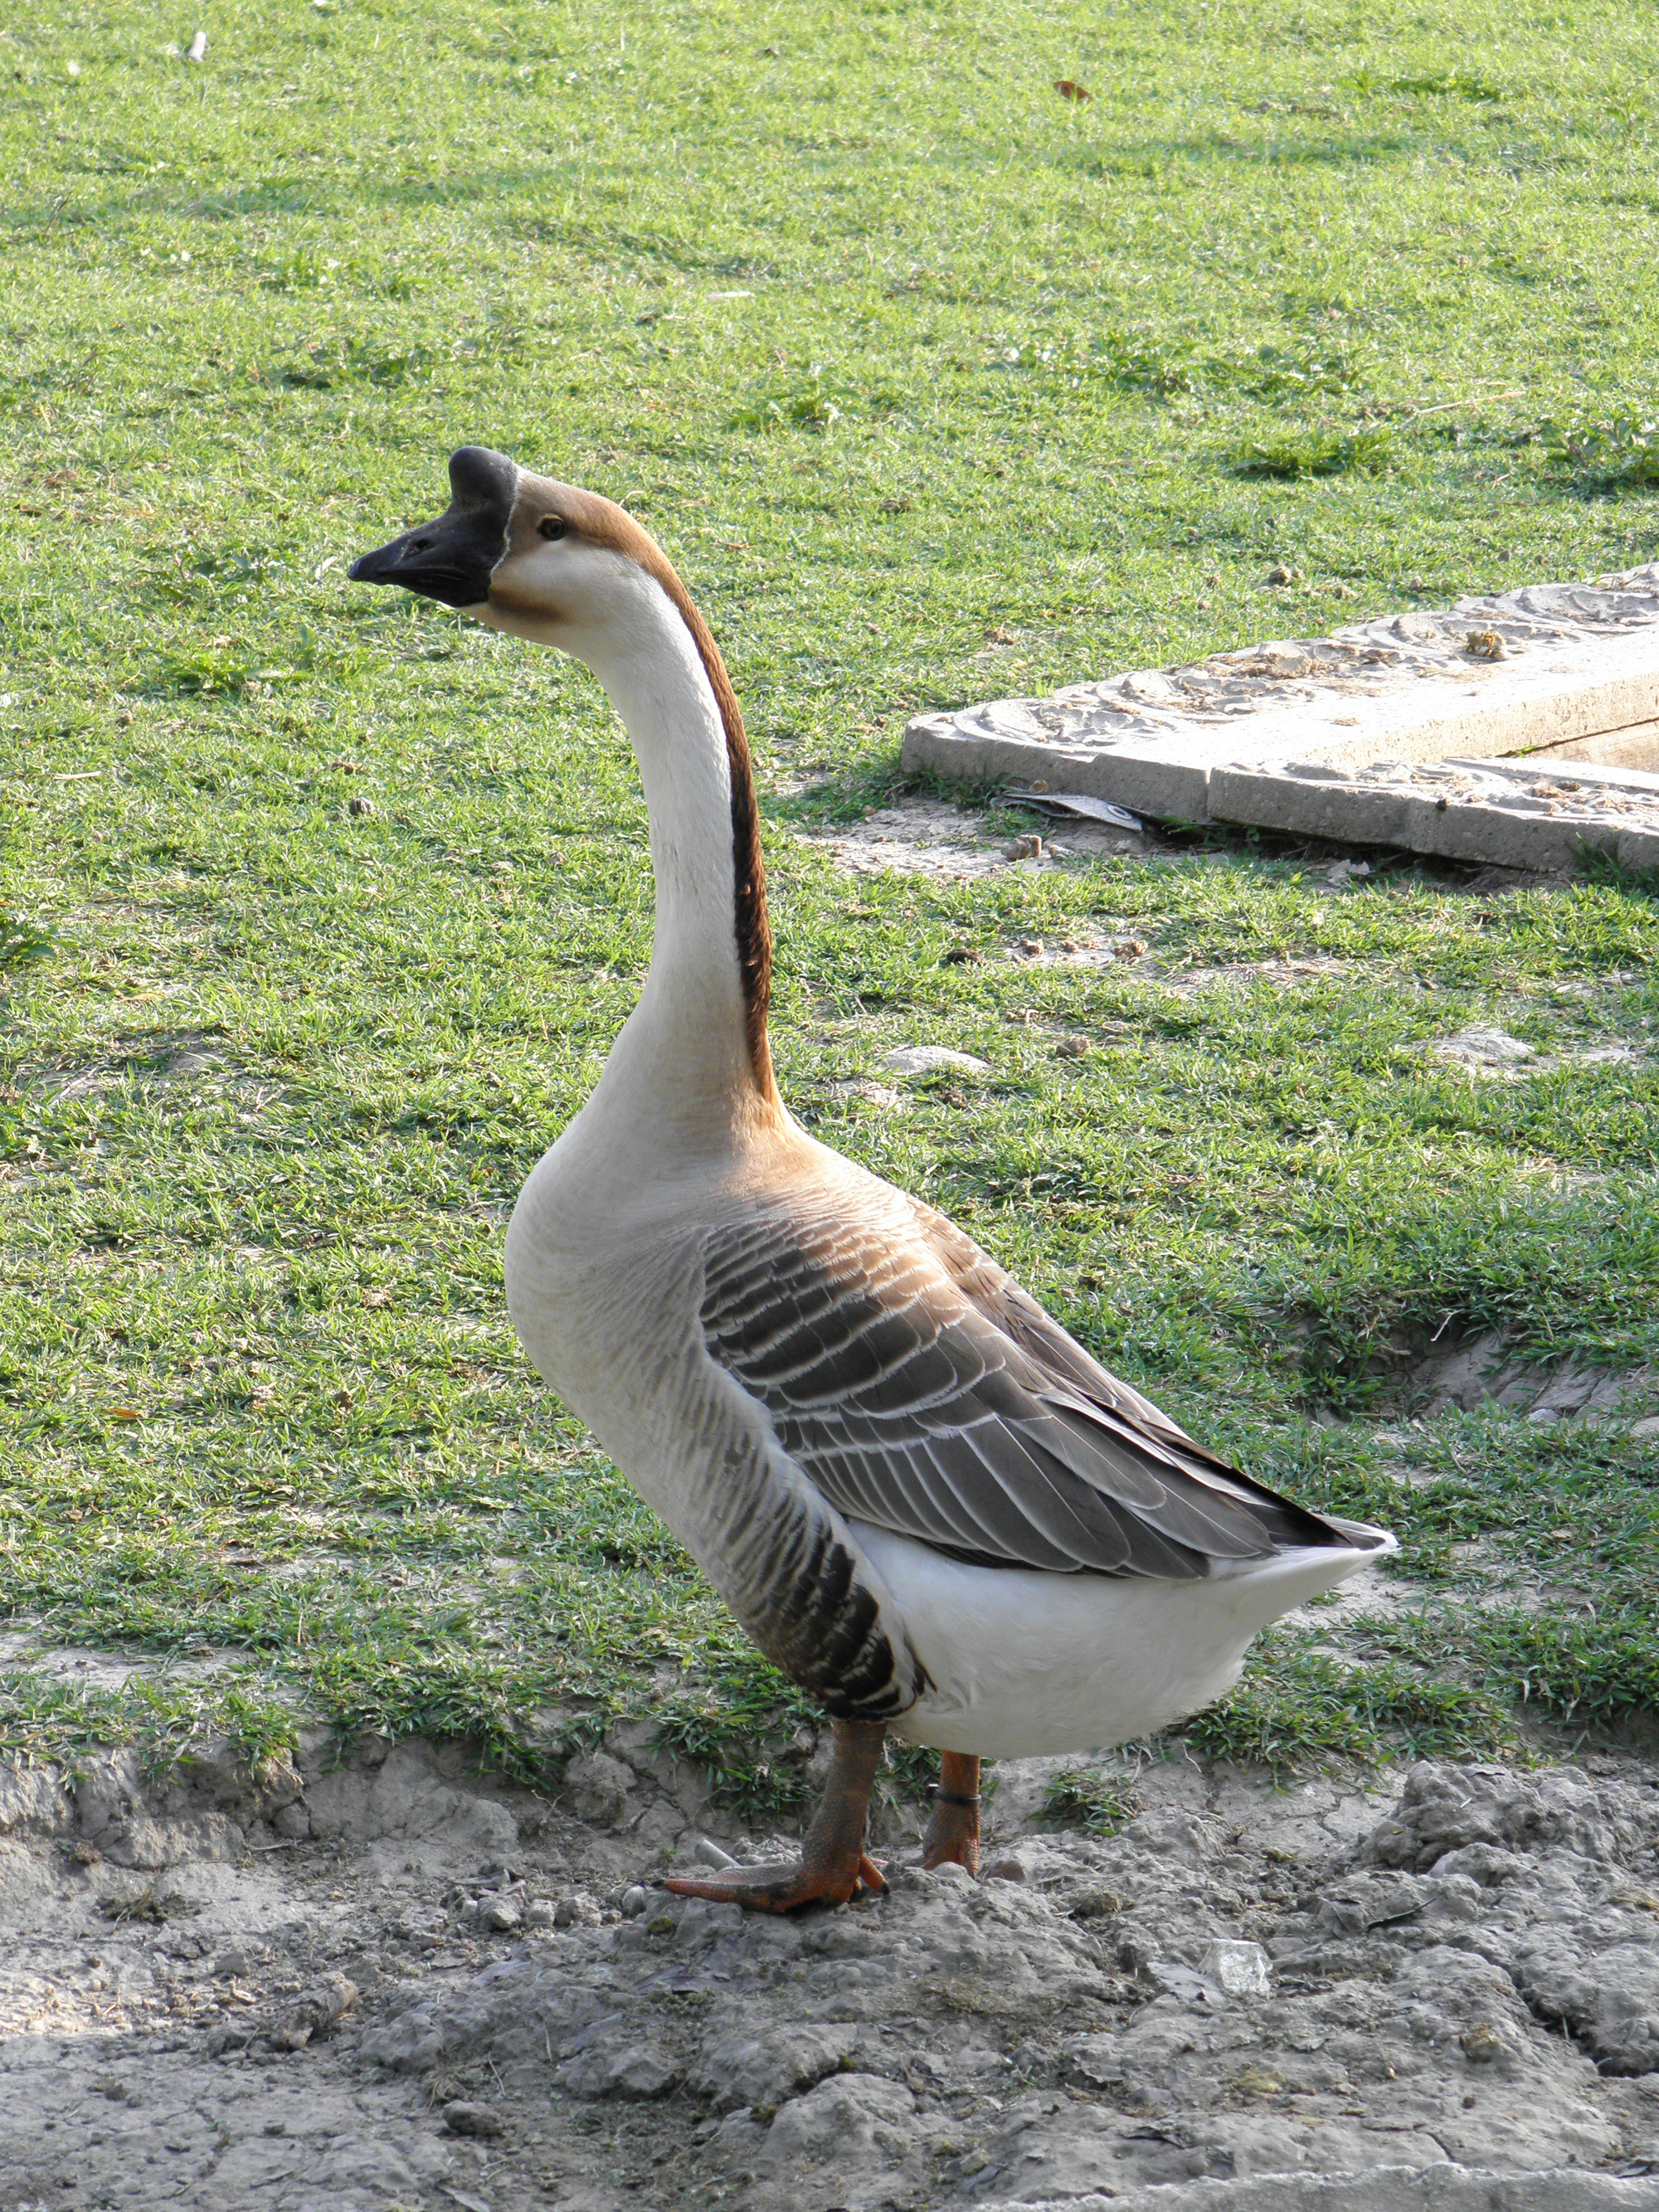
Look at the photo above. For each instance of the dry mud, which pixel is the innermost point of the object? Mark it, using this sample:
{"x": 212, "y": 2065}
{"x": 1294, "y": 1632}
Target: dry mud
{"x": 390, "y": 1984}
{"x": 930, "y": 837}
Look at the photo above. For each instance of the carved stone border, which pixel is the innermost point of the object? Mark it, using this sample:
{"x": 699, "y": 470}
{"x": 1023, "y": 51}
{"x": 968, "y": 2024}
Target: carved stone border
{"x": 1401, "y": 731}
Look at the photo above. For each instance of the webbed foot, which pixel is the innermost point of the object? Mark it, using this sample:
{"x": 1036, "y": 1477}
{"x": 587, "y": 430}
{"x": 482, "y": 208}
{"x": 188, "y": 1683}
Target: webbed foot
{"x": 780, "y": 1888}
{"x": 834, "y": 1865}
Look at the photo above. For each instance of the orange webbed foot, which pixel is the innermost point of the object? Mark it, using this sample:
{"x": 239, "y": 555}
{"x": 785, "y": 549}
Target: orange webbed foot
{"x": 780, "y": 1887}
{"x": 833, "y": 1866}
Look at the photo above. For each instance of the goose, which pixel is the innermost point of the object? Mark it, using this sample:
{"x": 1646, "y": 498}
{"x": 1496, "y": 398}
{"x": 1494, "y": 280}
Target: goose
{"x": 923, "y": 1500}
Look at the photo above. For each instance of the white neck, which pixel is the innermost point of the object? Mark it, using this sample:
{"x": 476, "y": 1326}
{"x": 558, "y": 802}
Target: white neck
{"x": 685, "y": 1047}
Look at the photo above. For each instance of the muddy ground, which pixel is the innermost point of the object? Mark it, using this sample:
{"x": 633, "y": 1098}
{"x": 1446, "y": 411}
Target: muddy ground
{"x": 386, "y": 1982}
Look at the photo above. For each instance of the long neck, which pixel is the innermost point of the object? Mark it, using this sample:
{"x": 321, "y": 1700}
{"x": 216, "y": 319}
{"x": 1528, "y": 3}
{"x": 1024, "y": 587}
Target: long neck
{"x": 695, "y": 1044}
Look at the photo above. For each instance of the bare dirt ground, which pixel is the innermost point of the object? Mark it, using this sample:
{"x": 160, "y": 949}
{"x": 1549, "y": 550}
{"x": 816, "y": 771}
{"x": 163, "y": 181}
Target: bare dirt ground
{"x": 389, "y": 1983}
{"x": 930, "y": 837}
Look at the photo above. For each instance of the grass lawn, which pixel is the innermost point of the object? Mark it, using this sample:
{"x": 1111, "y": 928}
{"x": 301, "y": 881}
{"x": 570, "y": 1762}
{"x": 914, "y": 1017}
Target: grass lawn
{"x": 320, "y": 910}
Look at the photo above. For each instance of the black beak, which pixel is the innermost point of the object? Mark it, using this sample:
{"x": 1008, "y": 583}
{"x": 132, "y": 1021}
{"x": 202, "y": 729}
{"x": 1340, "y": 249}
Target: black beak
{"x": 452, "y": 559}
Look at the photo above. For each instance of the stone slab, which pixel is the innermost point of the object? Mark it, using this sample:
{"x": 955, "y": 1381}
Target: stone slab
{"x": 1551, "y": 666}
{"x": 1458, "y": 809}
{"x": 1385, "y": 2189}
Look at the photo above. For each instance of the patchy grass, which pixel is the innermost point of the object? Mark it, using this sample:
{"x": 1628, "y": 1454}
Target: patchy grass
{"x": 1084, "y": 1797}
{"x": 1621, "y": 454}
{"x": 1316, "y": 454}
{"x": 332, "y": 905}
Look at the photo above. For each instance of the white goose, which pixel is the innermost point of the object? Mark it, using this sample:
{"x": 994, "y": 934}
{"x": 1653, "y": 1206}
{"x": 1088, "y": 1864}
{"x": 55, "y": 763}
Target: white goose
{"x": 922, "y": 1499}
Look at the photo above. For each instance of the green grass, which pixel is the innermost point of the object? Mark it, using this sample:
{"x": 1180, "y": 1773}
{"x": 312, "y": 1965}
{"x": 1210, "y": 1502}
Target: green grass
{"x": 1084, "y": 1797}
{"x": 936, "y": 385}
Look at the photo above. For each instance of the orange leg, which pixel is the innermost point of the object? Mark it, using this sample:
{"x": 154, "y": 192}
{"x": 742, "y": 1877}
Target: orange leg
{"x": 953, "y": 1832}
{"x": 833, "y": 1864}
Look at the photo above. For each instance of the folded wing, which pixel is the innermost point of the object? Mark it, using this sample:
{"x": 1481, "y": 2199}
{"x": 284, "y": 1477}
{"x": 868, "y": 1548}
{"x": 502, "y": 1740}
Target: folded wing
{"x": 921, "y": 1389}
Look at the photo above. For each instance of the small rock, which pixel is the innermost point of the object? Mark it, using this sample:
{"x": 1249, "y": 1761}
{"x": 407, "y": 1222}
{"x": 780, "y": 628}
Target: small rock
{"x": 501, "y": 1915}
{"x": 632, "y": 2073}
{"x": 463, "y": 2118}
{"x": 361, "y": 806}
{"x": 1030, "y": 948}
{"x": 1094, "y": 1902}
{"x": 1076, "y": 1047}
{"x": 928, "y": 1059}
{"x": 633, "y": 1901}
{"x": 538, "y": 1915}
{"x": 601, "y": 1785}
{"x": 709, "y": 1854}
{"x": 1483, "y": 2044}
{"x": 324, "y": 2002}
{"x": 1242, "y": 1969}
{"x": 1282, "y": 573}
{"x": 198, "y": 49}
{"x": 1006, "y": 1871}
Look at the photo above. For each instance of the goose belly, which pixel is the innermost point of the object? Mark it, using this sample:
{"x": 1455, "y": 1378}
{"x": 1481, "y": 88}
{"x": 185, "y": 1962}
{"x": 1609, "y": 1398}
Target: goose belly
{"x": 1025, "y": 1663}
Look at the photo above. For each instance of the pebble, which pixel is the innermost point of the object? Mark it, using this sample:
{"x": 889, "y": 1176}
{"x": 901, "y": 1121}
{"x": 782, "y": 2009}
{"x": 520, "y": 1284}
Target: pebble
{"x": 461, "y": 2117}
{"x": 326, "y": 2002}
{"x": 1241, "y": 1969}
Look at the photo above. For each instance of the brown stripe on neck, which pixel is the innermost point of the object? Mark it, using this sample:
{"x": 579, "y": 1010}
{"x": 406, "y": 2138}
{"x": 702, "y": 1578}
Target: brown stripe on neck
{"x": 600, "y": 522}
{"x": 750, "y": 921}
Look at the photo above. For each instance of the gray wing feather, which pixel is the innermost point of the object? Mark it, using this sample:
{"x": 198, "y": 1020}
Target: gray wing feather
{"x": 919, "y": 1390}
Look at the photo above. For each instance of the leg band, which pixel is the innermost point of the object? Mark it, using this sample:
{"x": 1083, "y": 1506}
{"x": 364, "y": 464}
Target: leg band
{"x": 954, "y": 1797}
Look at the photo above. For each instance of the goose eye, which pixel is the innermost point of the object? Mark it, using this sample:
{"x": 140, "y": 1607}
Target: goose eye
{"x": 552, "y": 525}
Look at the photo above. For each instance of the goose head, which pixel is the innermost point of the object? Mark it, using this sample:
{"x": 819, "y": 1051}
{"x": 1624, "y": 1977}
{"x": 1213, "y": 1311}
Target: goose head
{"x": 527, "y": 554}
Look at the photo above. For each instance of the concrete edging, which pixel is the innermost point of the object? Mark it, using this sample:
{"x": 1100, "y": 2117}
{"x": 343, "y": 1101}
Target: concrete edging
{"x": 1470, "y": 733}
